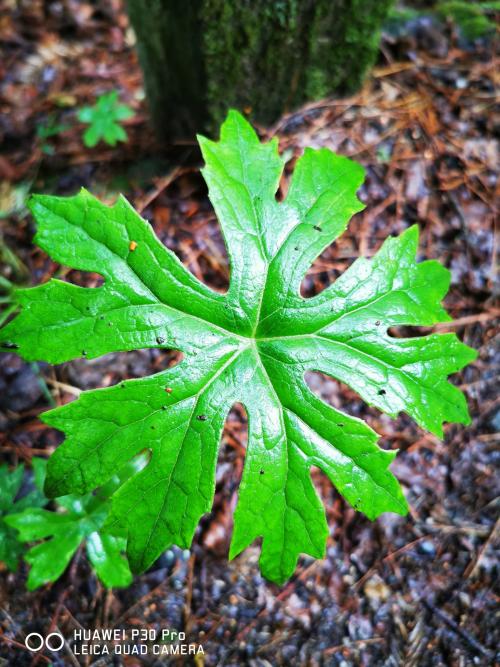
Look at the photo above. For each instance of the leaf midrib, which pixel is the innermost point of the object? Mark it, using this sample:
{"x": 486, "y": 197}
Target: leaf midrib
{"x": 289, "y": 409}
{"x": 411, "y": 378}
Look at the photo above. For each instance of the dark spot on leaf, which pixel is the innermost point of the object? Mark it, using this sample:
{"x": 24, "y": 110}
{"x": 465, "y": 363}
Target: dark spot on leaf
{"x": 261, "y": 472}
{"x": 110, "y": 324}
{"x": 101, "y": 317}
{"x": 160, "y": 340}
{"x": 164, "y": 407}
{"x": 377, "y": 323}
{"x": 168, "y": 390}
{"x": 122, "y": 385}
{"x": 153, "y": 427}
{"x": 340, "y": 425}
{"x": 84, "y": 353}
{"x": 381, "y": 392}
{"x": 10, "y": 346}
{"x": 317, "y": 228}
{"x": 296, "y": 247}
{"x": 202, "y": 418}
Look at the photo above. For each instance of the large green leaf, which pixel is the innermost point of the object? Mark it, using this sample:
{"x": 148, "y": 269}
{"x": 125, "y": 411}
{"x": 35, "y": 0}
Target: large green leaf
{"x": 251, "y": 345}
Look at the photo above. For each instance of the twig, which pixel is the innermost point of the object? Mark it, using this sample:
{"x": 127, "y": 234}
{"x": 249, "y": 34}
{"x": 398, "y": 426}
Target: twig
{"x": 285, "y": 593}
{"x": 353, "y": 644}
{"x": 68, "y": 388}
{"x": 140, "y": 602}
{"x": 71, "y": 655}
{"x": 469, "y": 319}
{"x": 53, "y": 622}
{"x": 473, "y": 566}
{"x": 390, "y": 556}
{"x": 470, "y": 639}
{"x": 22, "y": 646}
{"x": 189, "y": 595}
{"x": 161, "y": 185}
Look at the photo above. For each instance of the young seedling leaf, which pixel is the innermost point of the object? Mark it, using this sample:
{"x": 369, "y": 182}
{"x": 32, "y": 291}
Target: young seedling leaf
{"x": 252, "y": 345}
{"x": 78, "y": 519}
{"x": 104, "y": 120}
{"x": 10, "y": 503}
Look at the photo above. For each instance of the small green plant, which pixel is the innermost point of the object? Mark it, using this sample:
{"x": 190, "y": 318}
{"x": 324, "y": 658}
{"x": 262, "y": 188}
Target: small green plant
{"x": 78, "y": 519}
{"x": 384, "y": 154}
{"x": 470, "y": 17}
{"x": 10, "y": 264}
{"x": 104, "y": 120}
{"x": 10, "y": 504}
{"x": 46, "y": 130}
{"x": 474, "y": 20}
{"x": 251, "y": 345}
{"x": 399, "y": 18}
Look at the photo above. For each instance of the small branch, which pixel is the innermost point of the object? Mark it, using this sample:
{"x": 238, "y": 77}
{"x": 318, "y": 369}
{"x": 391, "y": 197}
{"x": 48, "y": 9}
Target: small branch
{"x": 161, "y": 185}
{"x": 466, "y": 636}
{"x": 473, "y": 566}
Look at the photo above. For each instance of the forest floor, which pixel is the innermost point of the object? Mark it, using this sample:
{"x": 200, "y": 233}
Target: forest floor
{"x": 418, "y": 590}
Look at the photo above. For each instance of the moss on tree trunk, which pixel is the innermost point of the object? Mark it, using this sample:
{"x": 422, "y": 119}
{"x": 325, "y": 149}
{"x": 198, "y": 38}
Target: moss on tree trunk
{"x": 261, "y": 56}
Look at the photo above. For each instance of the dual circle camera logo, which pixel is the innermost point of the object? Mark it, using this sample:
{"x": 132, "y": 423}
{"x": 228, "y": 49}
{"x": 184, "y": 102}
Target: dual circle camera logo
{"x": 34, "y": 642}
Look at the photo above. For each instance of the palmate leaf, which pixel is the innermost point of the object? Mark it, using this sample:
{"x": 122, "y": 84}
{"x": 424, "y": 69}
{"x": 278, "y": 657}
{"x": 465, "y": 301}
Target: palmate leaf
{"x": 78, "y": 520}
{"x": 104, "y": 120}
{"x": 11, "y": 503}
{"x": 251, "y": 345}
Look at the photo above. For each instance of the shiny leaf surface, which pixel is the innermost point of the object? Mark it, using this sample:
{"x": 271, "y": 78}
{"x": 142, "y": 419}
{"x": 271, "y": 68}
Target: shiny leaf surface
{"x": 78, "y": 520}
{"x": 252, "y": 345}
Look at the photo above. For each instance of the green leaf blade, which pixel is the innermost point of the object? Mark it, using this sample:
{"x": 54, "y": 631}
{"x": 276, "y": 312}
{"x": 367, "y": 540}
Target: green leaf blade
{"x": 50, "y": 559}
{"x": 35, "y": 524}
{"x": 105, "y": 554}
{"x": 252, "y": 345}
{"x": 104, "y": 120}
{"x": 10, "y": 483}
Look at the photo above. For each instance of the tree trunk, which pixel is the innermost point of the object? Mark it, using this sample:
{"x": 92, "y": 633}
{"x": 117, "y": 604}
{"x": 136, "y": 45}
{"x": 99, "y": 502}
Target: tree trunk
{"x": 261, "y": 56}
